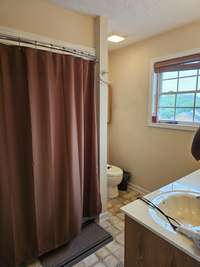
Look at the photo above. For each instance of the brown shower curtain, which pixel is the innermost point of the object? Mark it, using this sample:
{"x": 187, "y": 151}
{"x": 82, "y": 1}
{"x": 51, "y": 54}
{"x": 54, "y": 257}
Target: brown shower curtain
{"x": 49, "y": 167}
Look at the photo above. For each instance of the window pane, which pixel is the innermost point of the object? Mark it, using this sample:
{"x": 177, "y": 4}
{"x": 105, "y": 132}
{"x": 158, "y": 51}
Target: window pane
{"x": 198, "y": 82}
{"x": 187, "y": 84}
{"x": 197, "y": 115}
{"x": 166, "y": 114}
{"x": 169, "y": 85}
{"x": 197, "y": 100}
{"x": 185, "y": 100}
{"x": 187, "y": 73}
{"x": 170, "y": 75}
{"x": 184, "y": 114}
{"x": 167, "y": 101}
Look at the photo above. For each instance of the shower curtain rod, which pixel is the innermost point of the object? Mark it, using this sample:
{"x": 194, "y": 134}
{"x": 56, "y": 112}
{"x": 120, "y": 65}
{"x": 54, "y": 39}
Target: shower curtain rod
{"x": 35, "y": 43}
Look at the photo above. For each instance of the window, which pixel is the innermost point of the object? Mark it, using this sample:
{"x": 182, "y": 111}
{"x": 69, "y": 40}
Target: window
{"x": 176, "y": 93}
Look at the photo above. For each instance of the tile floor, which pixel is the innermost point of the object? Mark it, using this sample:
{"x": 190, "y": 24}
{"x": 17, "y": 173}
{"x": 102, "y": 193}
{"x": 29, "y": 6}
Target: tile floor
{"x": 112, "y": 255}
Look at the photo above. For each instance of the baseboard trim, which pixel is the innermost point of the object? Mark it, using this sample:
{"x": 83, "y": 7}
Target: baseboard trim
{"x": 138, "y": 188}
{"x": 103, "y": 216}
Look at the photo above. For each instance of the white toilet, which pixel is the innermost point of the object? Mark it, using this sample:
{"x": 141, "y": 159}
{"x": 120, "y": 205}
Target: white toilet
{"x": 114, "y": 175}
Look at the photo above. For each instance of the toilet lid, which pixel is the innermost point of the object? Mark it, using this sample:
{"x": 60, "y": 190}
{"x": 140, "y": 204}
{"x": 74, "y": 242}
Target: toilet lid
{"x": 114, "y": 171}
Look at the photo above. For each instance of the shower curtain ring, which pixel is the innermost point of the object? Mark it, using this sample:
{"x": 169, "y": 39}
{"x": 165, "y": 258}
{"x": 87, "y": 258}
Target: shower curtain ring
{"x": 51, "y": 48}
{"x": 19, "y": 41}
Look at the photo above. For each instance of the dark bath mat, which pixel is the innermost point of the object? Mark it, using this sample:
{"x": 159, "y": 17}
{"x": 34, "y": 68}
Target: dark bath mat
{"x": 91, "y": 238}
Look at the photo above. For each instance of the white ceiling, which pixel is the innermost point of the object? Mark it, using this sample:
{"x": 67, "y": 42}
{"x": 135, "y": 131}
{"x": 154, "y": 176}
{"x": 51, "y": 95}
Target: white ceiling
{"x": 138, "y": 19}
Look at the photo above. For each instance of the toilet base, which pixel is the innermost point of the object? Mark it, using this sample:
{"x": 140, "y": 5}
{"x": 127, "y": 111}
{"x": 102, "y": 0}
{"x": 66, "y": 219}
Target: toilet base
{"x": 113, "y": 191}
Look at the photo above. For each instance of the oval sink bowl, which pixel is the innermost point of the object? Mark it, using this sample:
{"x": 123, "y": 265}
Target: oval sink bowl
{"x": 182, "y": 206}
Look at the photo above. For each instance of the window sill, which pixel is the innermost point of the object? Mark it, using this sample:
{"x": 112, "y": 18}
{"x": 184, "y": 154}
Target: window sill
{"x": 182, "y": 127}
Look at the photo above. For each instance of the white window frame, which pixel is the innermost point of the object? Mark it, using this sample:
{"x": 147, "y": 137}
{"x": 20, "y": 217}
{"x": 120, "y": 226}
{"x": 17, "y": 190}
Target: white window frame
{"x": 153, "y": 88}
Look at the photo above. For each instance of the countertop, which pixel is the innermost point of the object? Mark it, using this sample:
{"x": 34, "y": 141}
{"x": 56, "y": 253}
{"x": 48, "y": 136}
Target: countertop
{"x": 139, "y": 211}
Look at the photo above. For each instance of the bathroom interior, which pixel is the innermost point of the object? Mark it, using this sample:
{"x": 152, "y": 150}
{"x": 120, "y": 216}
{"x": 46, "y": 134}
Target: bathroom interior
{"x": 99, "y": 133}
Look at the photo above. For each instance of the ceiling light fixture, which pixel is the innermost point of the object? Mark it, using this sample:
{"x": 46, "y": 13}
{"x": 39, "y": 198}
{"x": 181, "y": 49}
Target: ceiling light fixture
{"x": 115, "y": 38}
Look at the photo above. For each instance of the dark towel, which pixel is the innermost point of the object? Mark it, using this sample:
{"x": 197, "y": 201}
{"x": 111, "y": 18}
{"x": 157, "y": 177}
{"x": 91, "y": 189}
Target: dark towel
{"x": 196, "y": 145}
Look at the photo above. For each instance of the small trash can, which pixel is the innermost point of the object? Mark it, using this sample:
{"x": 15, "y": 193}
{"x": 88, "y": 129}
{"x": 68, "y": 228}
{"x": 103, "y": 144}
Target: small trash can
{"x": 124, "y": 183}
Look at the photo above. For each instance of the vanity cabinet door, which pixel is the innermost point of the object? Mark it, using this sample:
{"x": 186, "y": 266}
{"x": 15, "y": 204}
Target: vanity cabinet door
{"x": 145, "y": 249}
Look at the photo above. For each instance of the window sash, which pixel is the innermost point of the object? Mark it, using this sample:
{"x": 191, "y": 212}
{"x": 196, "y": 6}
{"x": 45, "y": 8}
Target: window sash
{"x": 159, "y": 93}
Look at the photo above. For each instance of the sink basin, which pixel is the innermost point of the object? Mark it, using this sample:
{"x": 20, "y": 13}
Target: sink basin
{"x": 182, "y": 206}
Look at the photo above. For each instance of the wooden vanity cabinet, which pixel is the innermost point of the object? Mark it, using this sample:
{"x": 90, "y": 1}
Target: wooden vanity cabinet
{"x": 143, "y": 248}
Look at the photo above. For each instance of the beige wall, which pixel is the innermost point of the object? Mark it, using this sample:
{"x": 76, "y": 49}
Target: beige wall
{"x": 43, "y": 18}
{"x": 154, "y": 156}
